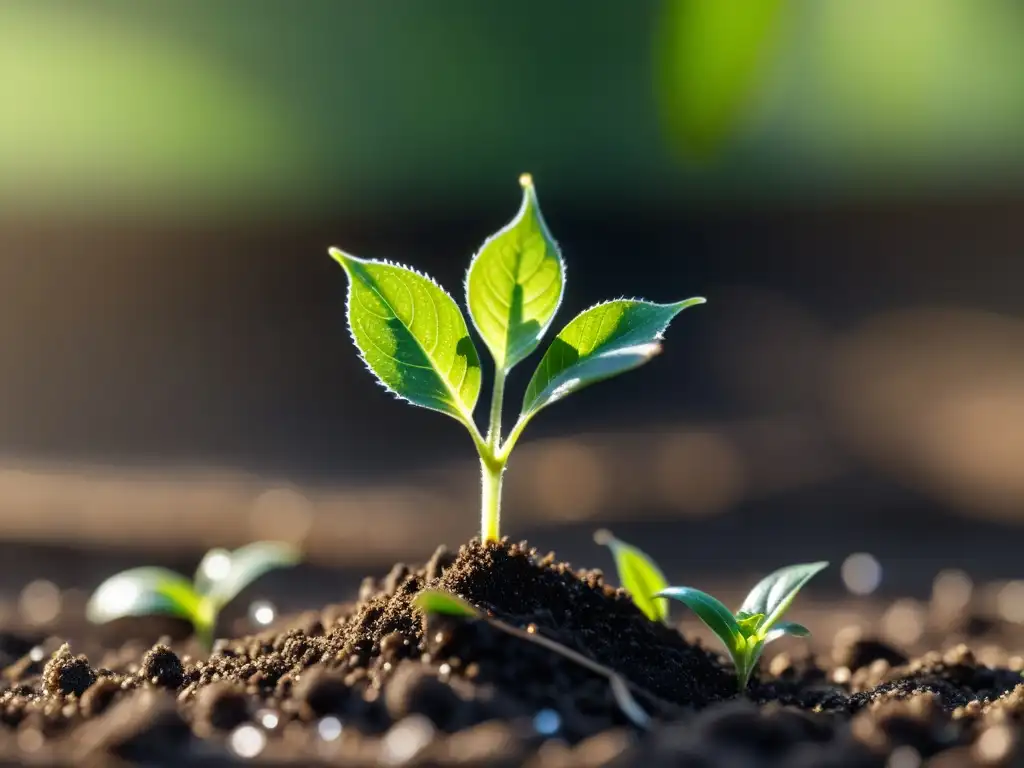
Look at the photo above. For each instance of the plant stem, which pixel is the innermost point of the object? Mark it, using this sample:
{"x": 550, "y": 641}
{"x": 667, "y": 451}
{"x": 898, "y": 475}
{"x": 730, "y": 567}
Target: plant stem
{"x": 497, "y": 399}
{"x": 491, "y": 466}
{"x": 490, "y": 499}
{"x": 513, "y": 436}
{"x": 205, "y": 622}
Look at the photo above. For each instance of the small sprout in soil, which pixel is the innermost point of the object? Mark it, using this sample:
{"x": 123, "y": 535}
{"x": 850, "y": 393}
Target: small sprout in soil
{"x": 412, "y": 335}
{"x": 221, "y": 575}
{"x": 435, "y": 601}
{"x": 638, "y": 574}
{"x": 757, "y": 621}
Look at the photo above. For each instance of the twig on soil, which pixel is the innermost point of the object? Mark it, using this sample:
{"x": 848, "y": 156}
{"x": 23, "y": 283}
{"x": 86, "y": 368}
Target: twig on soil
{"x": 435, "y": 601}
{"x": 622, "y": 689}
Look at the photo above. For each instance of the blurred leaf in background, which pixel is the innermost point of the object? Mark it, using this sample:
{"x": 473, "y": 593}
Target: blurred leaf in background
{"x": 710, "y": 61}
{"x": 180, "y": 110}
{"x": 102, "y": 106}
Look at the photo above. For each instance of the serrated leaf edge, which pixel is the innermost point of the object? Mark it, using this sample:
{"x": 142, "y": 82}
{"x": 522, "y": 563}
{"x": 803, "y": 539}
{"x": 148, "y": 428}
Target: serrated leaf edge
{"x": 466, "y": 417}
{"x": 654, "y": 345}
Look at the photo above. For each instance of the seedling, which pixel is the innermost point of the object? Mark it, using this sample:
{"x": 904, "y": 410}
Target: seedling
{"x": 757, "y": 621}
{"x": 413, "y": 337}
{"x": 221, "y": 575}
{"x": 638, "y": 574}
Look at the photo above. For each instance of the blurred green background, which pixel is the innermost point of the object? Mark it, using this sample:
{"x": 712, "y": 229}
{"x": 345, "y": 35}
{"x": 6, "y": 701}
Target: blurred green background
{"x": 256, "y": 107}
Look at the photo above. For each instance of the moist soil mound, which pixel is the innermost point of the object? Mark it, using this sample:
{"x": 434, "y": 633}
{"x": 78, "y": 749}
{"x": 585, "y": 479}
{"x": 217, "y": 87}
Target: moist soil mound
{"x": 375, "y": 682}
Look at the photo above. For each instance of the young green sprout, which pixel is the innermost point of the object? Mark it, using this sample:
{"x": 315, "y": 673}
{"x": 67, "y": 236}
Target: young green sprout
{"x": 638, "y": 574}
{"x": 413, "y": 337}
{"x": 757, "y": 621}
{"x": 221, "y": 575}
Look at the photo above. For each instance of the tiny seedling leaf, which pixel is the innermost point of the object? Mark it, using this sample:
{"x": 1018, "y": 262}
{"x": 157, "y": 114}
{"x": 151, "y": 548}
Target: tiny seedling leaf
{"x": 141, "y": 592}
{"x": 749, "y": 622}
{"x": 436, "y": 601}
{"x": 247, "y": 564}
{"x": 774, "y": 593}
{"x": 412, "y": 335}
{"x": 599, "y": 343}
{"x": 639, "y": 574}
{"x": 786, "y": 628}
{"x": 515, "y": 284}
{"x": 718, "y": 618}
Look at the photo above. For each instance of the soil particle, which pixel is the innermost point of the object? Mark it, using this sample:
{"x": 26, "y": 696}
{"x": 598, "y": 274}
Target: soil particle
{"x": 861, "y": 652}
{"x": 415, "y": 690}
{"x": 162, "y": 667}
{"x": 67, "y": 675}
{"x": 145, "y": 728}
{"x": 441, "y": 559}
{"x": 221, "y": 706}
{"x": 394, "y": 646}
{"x": 322, "y": 692}
{"x": 99, "y": 696}
{"x": 394, "y": 580}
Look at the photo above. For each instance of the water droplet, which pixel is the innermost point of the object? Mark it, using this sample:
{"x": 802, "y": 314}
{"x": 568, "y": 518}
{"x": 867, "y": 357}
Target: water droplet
{"x": 1010, "y": 602}
{"x": 29, "y": 739}
{"x": 547, "y": 722}
{"x": 216, "y": 564}
{"x": 904, "y": 621}
{"x": 268, "y": 718}
{"x": 995, "y": 743}
{"x": 37, "y": 653}
{"x": 862, "y": 573}
{"x": 951, "y": 591}
{"x": 405, "y": 739}
{"x": 40, "y": 602}
{"x": 247, "y": 741}
{"x": 262, "y": 612}
{"x": 329, "y": 728}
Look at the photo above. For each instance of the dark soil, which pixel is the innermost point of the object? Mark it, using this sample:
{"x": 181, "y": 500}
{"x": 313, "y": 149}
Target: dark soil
{"x": 376, "y": 683}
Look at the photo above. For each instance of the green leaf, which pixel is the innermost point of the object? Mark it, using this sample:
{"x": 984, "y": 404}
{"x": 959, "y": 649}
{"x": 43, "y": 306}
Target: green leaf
{"x": 515, "y": 283}
{"x": 711, "y": 611}
{"x": 774, "y": 593}
{"x": 749, "y": 622}
{"x": 711, "y": 60}
{"x": 143, "y": 592}
{"x": 247, "y": 564}
{"x": 412, "y": 335}
{"x": 786, "y": 628}
{"x": 445, "y": 603}
{"x": 599, "y": 343}
{"x": 746, "y": 661}
{"x": 639, "y": 574}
